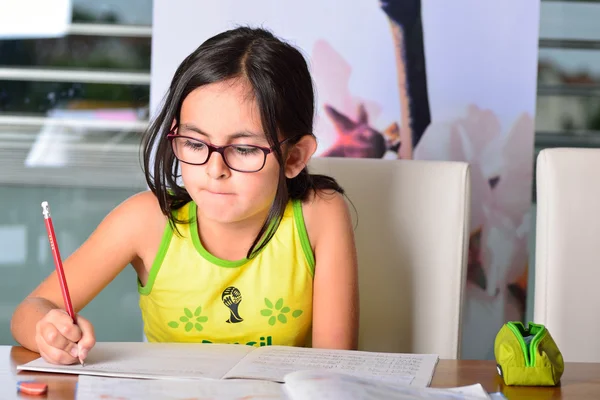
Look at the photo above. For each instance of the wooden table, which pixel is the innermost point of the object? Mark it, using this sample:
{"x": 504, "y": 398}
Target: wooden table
{"x": 580, "y": 381}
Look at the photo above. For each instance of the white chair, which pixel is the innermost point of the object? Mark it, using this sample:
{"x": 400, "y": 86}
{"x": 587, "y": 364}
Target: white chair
{"x": 567, "y": 257}
{"x": 412, "y": 240}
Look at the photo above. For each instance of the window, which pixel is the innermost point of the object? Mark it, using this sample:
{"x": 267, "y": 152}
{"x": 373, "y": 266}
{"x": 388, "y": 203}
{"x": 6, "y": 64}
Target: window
{"x": 71, "y": 112}
{"x": 568, "y": 98}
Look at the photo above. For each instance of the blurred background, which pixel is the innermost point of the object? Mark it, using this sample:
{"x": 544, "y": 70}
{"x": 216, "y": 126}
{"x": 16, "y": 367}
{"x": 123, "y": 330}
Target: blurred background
{"x": 72, "y": 109}
{"x": 74, "y": 101}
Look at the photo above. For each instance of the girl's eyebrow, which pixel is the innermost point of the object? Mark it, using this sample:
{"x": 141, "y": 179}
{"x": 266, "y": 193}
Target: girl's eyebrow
{"x": 235, "y": 135}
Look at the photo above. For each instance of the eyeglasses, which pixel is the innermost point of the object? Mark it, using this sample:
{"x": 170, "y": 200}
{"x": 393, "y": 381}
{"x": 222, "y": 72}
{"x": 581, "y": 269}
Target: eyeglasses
{"x": 238, "y": 157}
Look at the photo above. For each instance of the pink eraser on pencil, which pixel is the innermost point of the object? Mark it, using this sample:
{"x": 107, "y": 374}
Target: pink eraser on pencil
{"x": 32, "y": 387}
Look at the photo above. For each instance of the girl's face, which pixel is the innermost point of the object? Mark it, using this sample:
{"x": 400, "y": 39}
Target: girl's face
{"x": 219, "y": 114}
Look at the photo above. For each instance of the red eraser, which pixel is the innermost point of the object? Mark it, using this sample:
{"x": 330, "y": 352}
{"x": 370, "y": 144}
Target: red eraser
{"x": 32, "y": 387}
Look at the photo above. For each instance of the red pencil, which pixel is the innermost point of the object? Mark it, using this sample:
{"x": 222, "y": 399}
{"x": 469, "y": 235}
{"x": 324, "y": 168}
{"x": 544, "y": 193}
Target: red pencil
{"x": 58, "y": 264}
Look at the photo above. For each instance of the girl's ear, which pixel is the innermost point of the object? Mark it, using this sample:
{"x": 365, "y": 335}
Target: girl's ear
{"x": 299, "y": 154}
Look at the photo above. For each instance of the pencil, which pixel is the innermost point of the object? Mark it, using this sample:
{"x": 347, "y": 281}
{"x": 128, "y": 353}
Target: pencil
{"x": 59, "y": 267}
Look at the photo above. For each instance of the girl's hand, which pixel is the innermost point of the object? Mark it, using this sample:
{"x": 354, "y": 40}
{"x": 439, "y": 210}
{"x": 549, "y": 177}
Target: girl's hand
{"x": 60, "y": 341}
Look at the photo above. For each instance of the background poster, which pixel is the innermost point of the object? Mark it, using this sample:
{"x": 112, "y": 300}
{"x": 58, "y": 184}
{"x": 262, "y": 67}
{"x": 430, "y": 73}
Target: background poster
{"x": 411, "y": 79}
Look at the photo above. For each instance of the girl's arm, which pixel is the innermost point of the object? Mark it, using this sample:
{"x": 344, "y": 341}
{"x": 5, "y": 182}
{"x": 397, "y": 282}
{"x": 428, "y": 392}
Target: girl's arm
{"x": 114, "y": 244}
{"x": 335, "y": 289}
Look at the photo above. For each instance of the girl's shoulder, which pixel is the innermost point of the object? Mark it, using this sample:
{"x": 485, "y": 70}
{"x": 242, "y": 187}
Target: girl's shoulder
{"x": 141, "y": 218}
{"x": 140, "y": 214}
{"x": 322, "y": 209}
{"x": 143, "y": 204}
{"x": 324, "y": 200}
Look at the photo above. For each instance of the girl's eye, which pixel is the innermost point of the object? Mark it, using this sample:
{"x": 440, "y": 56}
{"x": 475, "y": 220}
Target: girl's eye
{"x": 194, "y": 145}
{"x": 246, "y": 150}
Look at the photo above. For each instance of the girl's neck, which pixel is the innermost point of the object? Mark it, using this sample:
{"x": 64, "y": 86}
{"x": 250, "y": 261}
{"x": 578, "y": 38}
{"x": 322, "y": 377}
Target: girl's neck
{"x": 229, "y": 241}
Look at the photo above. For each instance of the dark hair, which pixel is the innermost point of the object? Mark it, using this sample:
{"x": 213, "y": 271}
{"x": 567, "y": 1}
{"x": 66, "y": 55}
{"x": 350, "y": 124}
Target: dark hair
{"x": 283, "y": 89}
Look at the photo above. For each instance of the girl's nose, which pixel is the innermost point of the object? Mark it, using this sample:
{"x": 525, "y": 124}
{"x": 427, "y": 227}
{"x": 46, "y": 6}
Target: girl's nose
{"x": 216, "y": 167}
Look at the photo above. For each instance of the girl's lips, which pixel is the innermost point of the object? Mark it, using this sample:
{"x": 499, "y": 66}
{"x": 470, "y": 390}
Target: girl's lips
{"x": 219, "y": 193}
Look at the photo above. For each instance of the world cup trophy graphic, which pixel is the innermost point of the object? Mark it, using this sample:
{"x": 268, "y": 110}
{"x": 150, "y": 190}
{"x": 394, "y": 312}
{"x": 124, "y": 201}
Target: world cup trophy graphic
{"x": 232, "y": 298}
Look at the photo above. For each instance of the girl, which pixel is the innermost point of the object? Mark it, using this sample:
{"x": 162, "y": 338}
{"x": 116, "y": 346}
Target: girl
{"x": 235, "y": 242}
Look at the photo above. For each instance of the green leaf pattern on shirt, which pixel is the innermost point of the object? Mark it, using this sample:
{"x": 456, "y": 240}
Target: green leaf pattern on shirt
{"x": 190, "y": 320}
{"x": 278, "y": 312}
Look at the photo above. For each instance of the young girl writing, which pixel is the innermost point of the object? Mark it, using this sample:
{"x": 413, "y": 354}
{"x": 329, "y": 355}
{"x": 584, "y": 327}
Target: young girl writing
{"x": 235, "y": 242}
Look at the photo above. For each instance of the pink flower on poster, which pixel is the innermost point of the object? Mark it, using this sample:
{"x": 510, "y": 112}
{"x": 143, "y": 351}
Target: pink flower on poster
{"x": 501, "y": 175}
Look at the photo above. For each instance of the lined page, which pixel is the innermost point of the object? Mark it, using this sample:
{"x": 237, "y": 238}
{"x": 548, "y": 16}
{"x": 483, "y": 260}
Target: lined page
{"x": 101, "y": 388}
{"x": 274, "y": 362}
{"x": 152, "y": 360}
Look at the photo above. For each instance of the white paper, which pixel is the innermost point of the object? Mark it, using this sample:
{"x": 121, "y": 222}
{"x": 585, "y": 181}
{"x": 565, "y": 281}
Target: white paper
{"x": 274, "y": 362}
{"x": 308, "y": 385}
{"x": 223, "y": 361}
{"x": 8, "y": 387}
{"x": 101, "y": 388}
{"x": 152, "y": 360}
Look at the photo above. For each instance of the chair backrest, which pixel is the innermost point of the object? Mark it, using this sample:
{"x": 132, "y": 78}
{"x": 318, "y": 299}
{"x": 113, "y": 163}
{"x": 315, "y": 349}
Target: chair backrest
{"x": 567, "y": 257}
{"x": 412, "y": 240}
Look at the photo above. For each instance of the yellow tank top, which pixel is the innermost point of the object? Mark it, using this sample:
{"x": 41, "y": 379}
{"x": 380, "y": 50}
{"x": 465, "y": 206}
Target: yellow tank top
{"x": 193, "y": 296}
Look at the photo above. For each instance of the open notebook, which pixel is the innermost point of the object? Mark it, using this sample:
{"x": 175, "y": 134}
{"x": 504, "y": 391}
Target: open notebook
{"x": 303, "y": 385}
{"x": 230, "y": 361}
